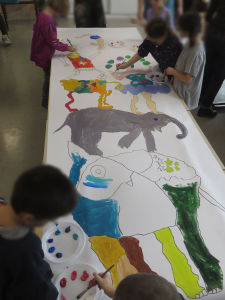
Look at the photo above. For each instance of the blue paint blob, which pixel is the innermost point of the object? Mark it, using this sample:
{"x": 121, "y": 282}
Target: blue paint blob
{"x": 132, "y": 66}
{"x": 67, "y": 230}
{"x": 75, "y": 236}
{"x": 50, "y": 241}
{"x": 59, "y": 255}
{"x": 96, "y": 185}
{"x": 75, "y": 170}
{"x": 98, "y": 218}
{"x": 51, "y": 250}
{"x": 95, "y": 37}
{"x": 58, "y": 232}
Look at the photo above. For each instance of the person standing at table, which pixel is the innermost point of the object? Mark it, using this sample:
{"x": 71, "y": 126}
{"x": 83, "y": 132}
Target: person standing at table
{"x": 215, "y": 57}
{"x": 144, "y": 5}
{"x": 89, "y": 13}
{"x": 5, "y": 38}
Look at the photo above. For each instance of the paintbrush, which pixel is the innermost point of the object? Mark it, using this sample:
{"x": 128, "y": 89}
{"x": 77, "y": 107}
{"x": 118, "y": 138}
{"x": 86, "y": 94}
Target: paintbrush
{"x": 69, "y": 42}
{"x": 93, "y": 284}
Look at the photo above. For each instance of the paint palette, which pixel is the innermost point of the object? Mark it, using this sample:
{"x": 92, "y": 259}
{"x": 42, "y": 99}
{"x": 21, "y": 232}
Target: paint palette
{"x": 76, "y": 279}
{"x": 63, "y": 243}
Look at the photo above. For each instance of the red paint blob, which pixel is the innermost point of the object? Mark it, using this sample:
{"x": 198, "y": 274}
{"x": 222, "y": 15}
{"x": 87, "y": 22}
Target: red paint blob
{"x": 91, "y": 282}
{"x": 74, "y": 275}
{"x": 84, "y": 276}
{"x": 63, "y": 282}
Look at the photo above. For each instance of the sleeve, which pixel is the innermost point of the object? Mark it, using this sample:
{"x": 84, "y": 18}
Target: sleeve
{"x": 211, "y": 10}
{"x": 50, "y": 35}
{"x": 193, "y": 65}
{"x": 144, "y": 49}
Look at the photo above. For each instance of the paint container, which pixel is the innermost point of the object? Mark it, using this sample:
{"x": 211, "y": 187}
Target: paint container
{"x": 67, "y": 248}
{"x": 75, "y": 287}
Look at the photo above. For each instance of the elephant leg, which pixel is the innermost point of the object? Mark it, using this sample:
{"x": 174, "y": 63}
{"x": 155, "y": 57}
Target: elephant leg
{"x": 133, "y": 105}
{"x": 149, "y": 140}
{"x": 89, "y": 140}
{"x": 150, "y": 103}
{"x": 105, "y": 97}
{"x": 128, "y": 139}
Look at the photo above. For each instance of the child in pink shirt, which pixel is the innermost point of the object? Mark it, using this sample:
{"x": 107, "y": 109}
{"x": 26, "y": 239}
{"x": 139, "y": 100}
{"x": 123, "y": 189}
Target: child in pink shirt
{"x": 45, "y": 42}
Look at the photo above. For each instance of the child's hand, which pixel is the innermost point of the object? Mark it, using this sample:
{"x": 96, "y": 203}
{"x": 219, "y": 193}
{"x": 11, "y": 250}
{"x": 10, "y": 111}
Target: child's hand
{"x": 134, "y": 21}
{"x": 169, "y": 71}
{"x": 72, "y": 49}
{"x": 105, "y": 284}
{"x": 121, "y": 66}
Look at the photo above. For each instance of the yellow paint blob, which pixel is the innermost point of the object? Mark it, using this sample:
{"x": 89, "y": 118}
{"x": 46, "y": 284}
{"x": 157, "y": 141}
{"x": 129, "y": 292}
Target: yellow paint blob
{"x": 182, "y": 272}
{"x": 71, "y": 84}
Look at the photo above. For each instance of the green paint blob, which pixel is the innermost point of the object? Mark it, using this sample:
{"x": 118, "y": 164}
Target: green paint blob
{"x": 146, "y": 63}
{"x": 142, "y": 59}
{"x": 177, "y": 168}
{"x": 169, "y": 170}
{"x": 108, "y": 66}
{"x": 128, "y": 56}
{"x": 186, "y": 201}
{"x": 176, "y": 164}
{"x": 111, "y": 61}
{"x": 169, "y": 162}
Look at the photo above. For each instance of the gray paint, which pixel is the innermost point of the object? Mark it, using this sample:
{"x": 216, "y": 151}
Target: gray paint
{"x": 87, "y": 126}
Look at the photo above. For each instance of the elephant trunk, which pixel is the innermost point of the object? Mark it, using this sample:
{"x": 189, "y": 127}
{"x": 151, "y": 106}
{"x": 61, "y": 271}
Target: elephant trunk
{"x": 183, "y": 129}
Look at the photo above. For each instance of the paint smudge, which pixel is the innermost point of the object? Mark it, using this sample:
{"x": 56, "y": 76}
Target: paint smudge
{"x": 63, "y": 297}
{"x": 89, "y": 87}
{"x": 135, "y": 254}
{"x": 108, "y": 66}
{"x": 97, "y": 182}
{"x": 182, "y": 272}
{"x": 92, "y": 282}
{"x": 50, "y": 241}
{"x": 103, "y": 245}
{"x": 63, "y": 282}
{"x": 88, "y": 124}
{"x": 75, "y": 236}
{"x": 120, "y": 58}
{"x": 84, "y": 276}
{"x": 128, "y": 56}
{"x": 187, "y": 202}
{"x": 95, "y": 37}
{"x": 67, "y": 229}
{"x": 111, "y": 61}
{"x": 146, "y": 63}
{"x": 72, "y": 100}
{"x": 74, "y": 275}
{"x": 78, "y": 163}
{"x": 58, "y": 232}
{"x": 51, "y": 250}
{"x": 59, "y": 255}
{"x": 97, "y": 218}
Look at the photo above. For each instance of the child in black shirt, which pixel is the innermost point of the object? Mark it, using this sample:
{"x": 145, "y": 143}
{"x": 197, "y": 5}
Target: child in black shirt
{"x": 161, "y": 42}
{"x": 40, "y": 195}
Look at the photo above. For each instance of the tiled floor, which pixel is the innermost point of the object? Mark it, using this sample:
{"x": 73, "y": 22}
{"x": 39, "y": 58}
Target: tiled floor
{"x": 23, "y": 120}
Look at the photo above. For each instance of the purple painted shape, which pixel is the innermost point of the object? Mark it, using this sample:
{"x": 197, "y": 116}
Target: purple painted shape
{"x": 153, "y": 89}
{"x": 120, "y": 58}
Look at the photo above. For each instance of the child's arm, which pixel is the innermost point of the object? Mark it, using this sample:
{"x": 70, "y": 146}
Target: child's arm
{"x": 106, "y": 284}
{"x": 51, "y": 38}
{"x": 138, "y": 22}
{"x": 184, "y": 77}
{"x": 140, "y": 9}
{"x": 130, "y": 62}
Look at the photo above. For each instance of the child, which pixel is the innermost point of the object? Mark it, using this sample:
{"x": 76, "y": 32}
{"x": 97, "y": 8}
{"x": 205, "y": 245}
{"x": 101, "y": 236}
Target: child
{"x": 45, "y": 42}
{"x": 189, "y": 69}
{"x": 158, "y": 10}
{"x": 161, "y": 42}
{"x": 39, "y": 196}
{"x": 5, "y": 38}
{"x": 139, "y": 286}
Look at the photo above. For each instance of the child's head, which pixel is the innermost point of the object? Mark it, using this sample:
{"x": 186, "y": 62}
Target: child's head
{"x": 60, "y": 7}
{"x": 190, "y": 25}
{"x": 158, "y": 31}
{"x": 145, "y": 287}
{"x": 156, "y": 4}
{"x": 42, "y": 194}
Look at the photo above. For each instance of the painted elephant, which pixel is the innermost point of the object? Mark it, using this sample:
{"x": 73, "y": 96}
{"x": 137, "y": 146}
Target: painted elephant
{"x": 87, "y": 126}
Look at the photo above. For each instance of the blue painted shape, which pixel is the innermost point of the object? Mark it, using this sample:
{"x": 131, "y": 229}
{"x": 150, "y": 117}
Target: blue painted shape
{"x": 95, "y": 37}
{"x": 75, "y": 170}
{"x": 98, "y": 218}
{"x": 51, "y": 250}
{"x": 58, "y": 232}
{"x": 75, "y": 236}
{"x": 67, "y": 229}
{"x": 59, "y": 255}
{"x": 97, "y": 179}
{"x": 50, "y": 241}
{"x": 96, "y": 185}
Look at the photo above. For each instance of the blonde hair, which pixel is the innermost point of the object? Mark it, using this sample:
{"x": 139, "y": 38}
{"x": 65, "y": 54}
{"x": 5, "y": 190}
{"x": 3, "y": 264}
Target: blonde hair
{"x": 60, "y": 6}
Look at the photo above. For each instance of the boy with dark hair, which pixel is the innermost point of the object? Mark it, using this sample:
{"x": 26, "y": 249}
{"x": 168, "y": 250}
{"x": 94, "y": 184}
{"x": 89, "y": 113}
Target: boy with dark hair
{"x": 139, "y": 286}
{"x": 39, "y": 196}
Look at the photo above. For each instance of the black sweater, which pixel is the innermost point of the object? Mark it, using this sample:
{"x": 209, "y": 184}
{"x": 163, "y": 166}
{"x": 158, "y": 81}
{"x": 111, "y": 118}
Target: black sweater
{"x": 24, "y": 275}
{"x": 216, "y": 15}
